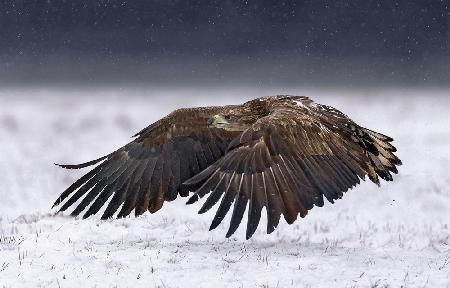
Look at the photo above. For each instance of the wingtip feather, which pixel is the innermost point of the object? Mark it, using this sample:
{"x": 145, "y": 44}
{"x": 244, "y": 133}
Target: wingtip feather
{"x": 192, "y": 199}
{"x": 82, "y": 165}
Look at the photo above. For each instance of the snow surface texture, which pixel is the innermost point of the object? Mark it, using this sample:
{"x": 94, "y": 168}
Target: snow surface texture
{"x": 393, "y": 236}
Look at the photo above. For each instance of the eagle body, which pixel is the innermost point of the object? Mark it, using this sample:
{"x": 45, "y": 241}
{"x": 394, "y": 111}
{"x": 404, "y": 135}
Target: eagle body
{"x": 282, "y": 153}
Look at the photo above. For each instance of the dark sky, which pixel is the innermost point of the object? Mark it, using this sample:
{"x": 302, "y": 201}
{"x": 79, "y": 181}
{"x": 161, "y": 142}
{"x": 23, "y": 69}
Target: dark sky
{"x": 295, "y": 42}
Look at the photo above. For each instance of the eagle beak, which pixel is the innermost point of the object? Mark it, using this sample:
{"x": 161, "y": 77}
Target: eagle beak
{"x": 217, "y": 121}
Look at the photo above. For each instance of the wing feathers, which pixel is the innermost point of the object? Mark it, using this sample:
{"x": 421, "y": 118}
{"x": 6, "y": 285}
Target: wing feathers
{"x": 257, "y": 196}
{"x": 289, "y": 171}
{"x": 88, "y": 198}
{"x": 130, "y": 200}
{"x": 101, "y": 177}
{"x": 143, "y": 195}
{"x": 151, "y": 169}
{"x": 240, "y": 205}
{"x": 101, "y": 199}
{"x": 275, "y": 204}
{"x": 227, "y": 200}
{"x": 76, "y": 185}
{"x": 109, "y": 175}
{"x": 215, "y": 195}
{"x": 117, "y": 200}
{"x": 290, "y": 202}
{"x": 108, "y": 191}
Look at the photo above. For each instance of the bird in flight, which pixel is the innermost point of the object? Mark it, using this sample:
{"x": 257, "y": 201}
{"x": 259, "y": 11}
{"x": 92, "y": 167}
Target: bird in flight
{"x": 284, "y": 153}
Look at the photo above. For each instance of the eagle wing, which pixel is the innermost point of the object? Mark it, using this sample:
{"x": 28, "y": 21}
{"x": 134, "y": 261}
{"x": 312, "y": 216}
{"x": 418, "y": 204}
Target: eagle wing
{"x": 151, "y": 169}
{"x": 287, "y": 161}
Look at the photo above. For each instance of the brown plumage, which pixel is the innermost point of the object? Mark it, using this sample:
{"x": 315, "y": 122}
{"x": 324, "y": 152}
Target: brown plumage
{"x": 284, "y": 153}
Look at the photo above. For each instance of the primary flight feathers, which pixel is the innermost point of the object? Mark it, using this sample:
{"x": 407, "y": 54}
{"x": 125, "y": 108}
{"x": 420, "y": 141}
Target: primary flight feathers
{"x": 284, "y": 153}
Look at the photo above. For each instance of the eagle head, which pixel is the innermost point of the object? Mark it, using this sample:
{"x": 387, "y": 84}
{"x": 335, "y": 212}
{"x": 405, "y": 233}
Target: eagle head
{"x": 240, "y": 117}
{"x": 233, "y": 120}
{"x": 227, "y": 122}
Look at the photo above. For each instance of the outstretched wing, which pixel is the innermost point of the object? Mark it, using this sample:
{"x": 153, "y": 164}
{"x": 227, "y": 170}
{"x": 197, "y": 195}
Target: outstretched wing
{"x": 149, "y": 170}
{"x": 287, "y": 161}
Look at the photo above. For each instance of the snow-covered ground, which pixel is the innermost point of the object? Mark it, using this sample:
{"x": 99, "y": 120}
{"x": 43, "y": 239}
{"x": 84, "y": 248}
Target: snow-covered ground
{"x": 393, "y": 236}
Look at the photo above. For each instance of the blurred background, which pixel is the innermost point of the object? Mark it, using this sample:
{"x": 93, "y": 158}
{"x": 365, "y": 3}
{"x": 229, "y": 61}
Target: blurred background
{"x": 173, "y": 42}
{"x": 77, "y": 78}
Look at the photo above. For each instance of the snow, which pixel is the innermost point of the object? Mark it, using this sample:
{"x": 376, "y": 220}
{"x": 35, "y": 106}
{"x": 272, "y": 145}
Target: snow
{"x": 393, "y": 236}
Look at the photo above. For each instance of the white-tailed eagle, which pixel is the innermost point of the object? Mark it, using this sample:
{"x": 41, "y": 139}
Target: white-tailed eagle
{"x": 284, "y": 153}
